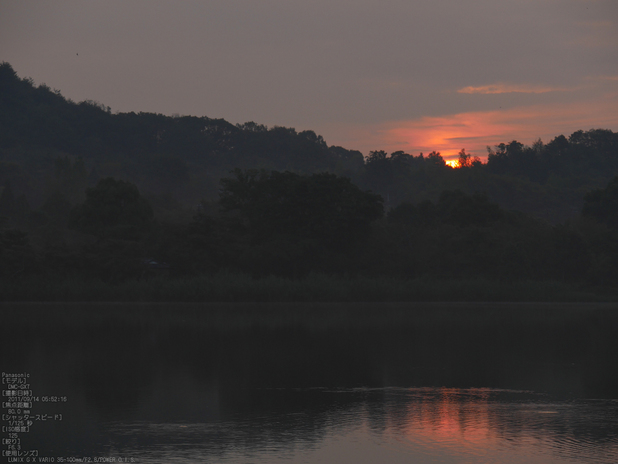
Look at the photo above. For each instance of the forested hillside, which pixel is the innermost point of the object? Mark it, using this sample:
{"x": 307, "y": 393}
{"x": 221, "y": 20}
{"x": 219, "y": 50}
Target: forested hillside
{"x": 52, "y": 148}
{"x": 47, "y": 142}
{"x": 86, "y": 192}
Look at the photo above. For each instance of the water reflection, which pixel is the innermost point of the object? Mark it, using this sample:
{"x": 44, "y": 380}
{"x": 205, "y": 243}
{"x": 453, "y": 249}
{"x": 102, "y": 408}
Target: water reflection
{"x": 425, "y": 424}
{"x": 322, "y": 383}
{"x": 478, "y": 423}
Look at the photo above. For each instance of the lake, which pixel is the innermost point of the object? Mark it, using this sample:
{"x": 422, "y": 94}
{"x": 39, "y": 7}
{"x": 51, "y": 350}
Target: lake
{"x": 305, "y": 383}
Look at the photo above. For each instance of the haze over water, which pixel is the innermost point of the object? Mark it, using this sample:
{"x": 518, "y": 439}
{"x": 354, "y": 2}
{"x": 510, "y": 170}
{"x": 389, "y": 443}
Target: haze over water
{"x": 449, "y": 383}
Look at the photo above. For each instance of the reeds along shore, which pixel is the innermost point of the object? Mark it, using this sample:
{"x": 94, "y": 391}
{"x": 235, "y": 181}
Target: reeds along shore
{"x": 237, "y": 287}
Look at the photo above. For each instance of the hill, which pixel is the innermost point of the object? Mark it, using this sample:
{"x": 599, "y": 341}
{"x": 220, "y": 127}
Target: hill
{"x": 52, "y": 148}
{"x": 88, "y": 195}
{"x": 45, "y": 138}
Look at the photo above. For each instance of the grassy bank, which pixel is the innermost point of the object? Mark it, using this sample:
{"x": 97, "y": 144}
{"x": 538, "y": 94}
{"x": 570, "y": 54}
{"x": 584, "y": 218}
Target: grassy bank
{"x": 232, "y": 287}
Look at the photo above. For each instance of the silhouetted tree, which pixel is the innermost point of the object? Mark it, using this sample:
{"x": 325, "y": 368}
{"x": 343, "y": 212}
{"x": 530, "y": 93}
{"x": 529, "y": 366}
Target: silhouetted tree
{"x": 434, "y": 158}
{"x": 115, "y": 209}
{"x": 7, "y": 201}
{"x": 322, "y": 206}
{"x": 17, "y": 258}
{"x": 456, "y": 207}
{"x": 464, "y": 160}
{"x": 602, "y": 204}
{"x": 296, "y": 223}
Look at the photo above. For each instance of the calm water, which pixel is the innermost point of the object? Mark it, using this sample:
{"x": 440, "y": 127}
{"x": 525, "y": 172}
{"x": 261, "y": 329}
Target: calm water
{"x": 353, "y": 383}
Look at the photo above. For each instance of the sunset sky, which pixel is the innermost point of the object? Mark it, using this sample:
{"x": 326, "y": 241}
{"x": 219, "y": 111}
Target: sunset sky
{"x": 412, "y": 75}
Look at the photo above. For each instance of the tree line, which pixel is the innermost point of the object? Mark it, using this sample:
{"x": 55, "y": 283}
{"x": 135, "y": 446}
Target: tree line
{"x": 89, "y": 192}
{"x": 292, "y": 225}
{"x": 51, "y": 149}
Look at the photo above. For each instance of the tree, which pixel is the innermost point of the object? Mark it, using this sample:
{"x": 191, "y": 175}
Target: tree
{"x": 458, "y": 208}
{"x": 602, "y": 204}
{"x": 464, "y": 160}
{"x": 453, "y": 207}
{"x": 408, "y": 214}
{"x": 7, "y": 201}
{"x": 288, "y": 224}
{"x": 16, "y": 256}
{"x": 322, "y": 207}
{"x": 113, "y": 209}
{"x": 378, "y": 173}
{"x": 14, "y": 208}
{"x": 434, "y": 158}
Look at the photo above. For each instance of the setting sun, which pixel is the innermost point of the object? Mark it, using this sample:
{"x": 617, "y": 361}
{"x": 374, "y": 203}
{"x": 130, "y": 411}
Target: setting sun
{"x": 476, "y": 130}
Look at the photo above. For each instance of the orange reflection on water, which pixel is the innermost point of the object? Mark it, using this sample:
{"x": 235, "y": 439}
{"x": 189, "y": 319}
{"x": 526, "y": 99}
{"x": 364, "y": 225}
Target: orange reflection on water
{"x": 454, "y": 418}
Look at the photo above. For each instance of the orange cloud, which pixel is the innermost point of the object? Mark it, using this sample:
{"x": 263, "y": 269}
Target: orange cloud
{"x": 509, "y": 88}
{"x": 474, "y": 131}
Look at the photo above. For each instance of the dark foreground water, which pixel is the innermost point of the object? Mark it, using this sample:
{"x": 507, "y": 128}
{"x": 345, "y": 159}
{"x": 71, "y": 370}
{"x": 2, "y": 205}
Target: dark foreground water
{"x": 351, "y": 383}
